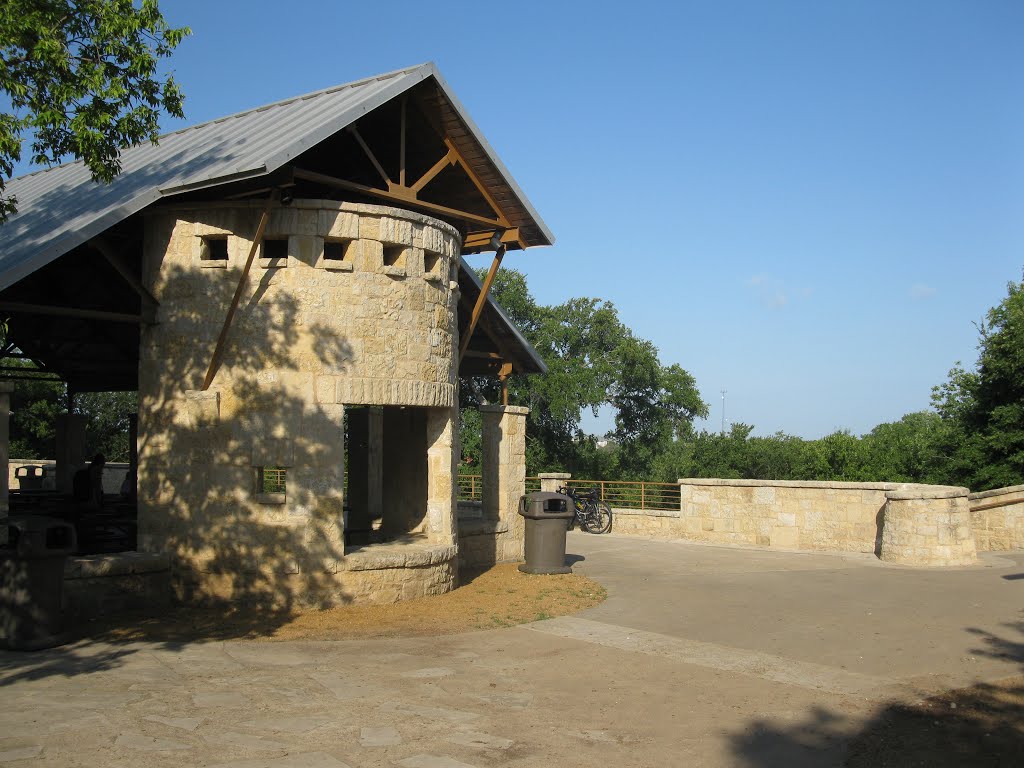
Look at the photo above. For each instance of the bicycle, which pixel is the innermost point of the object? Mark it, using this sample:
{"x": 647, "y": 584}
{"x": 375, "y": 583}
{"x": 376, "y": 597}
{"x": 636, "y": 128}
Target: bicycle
{"x": 592, "y": 512}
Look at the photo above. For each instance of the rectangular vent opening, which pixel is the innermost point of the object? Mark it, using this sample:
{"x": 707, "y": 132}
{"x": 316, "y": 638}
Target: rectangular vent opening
{"x": 394, "y": 256}
{"x": 275, "y": 248}
{"x": 214, "y": 248}
{"x": 339, "y": 250}
{"x": 432, "y": 263}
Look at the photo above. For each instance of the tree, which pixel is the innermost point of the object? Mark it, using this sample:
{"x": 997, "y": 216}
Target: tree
{"x": 81, "y": 76}
{"x": 984, "y": 409}
{"x": 593, "y": 361}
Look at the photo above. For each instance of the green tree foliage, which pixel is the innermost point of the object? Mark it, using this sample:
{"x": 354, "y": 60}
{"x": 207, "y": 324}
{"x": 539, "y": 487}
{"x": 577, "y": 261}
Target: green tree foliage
{"x": 35, "y": 406}
{"x": 593, "y": 361}
{"x": 983, "y": 410}
{"x": 82, "y": 80}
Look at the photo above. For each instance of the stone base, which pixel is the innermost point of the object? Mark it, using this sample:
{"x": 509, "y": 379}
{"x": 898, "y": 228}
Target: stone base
{"x": 373, "y": 574}
{"x": 102, "y": 585}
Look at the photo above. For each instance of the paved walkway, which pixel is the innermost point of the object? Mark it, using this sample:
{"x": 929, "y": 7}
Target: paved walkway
{"x": 703, "y": 656}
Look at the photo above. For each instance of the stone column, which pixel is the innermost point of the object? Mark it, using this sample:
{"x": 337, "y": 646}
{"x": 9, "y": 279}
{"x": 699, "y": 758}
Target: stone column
{"x": 70, "y": 449}
{"x": 552, "y": 481}
{"x": 6, "y": 387}
{"x": 503, "y": 433}
{"x": 442, "y": 467}
{"x": 928, "y": 526}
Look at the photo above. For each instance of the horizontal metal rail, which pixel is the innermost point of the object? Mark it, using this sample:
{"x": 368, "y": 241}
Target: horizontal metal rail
{"x": 625, "y": 494}
{"x": 632, "y": 494}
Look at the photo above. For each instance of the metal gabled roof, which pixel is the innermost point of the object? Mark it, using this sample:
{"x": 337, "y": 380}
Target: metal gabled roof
{"x": 61, "y": 207}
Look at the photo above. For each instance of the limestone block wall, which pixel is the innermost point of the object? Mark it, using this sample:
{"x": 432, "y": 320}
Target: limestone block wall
{"x": 997, "y": 518}
{"x": 785, "y": 514}
{"x": 927, "y": 525}
{"x": 345, "y": 304}
{"x": 902, "y": 523}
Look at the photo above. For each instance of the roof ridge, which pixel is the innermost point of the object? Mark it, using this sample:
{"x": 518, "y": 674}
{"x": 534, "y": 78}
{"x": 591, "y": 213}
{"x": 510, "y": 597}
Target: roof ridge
{"x": 251, "y": 110}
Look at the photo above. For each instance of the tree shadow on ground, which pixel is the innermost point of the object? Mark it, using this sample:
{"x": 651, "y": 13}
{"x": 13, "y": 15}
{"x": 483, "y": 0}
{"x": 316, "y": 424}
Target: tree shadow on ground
{"x": 982, "y": 725}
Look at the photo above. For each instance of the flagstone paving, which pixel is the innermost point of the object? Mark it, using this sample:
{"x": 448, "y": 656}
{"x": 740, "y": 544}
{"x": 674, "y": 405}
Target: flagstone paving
{"x": 695, "y": 648}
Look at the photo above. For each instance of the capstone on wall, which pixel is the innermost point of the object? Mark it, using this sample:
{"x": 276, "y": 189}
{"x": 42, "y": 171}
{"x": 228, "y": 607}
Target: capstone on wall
{"x": 345, "y": 305}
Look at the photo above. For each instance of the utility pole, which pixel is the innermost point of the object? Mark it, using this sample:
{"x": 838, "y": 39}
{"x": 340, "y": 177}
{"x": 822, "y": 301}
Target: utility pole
{"x": 723, "y": 411}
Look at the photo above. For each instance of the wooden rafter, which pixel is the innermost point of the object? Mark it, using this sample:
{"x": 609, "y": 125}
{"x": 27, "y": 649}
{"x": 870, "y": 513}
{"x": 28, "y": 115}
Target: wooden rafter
{"x": 82, "y": 314}
{"x": 369, "y": 153}
{"x": 117, "y": 261}
{"x": 440, "y": 165}
{"x": 333, "y": 181}
{"x": 405, "y": 193}
{"x": 477, "y": 183}
{"x": 481, "y": 239}
{"x": 481, "y": 300}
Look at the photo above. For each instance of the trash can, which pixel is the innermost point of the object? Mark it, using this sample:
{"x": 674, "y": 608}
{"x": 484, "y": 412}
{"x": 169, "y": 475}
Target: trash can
{"x": 32, "y": 582}
{"x": 30, "y": 477}
{"x": 547, "y": 518}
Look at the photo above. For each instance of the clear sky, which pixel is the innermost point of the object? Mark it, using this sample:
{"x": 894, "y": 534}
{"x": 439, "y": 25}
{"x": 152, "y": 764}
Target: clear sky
{"x": 804, "y": 203}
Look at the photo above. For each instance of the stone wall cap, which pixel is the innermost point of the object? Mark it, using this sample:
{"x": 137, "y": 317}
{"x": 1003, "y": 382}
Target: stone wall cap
{"x": 825, "y": 484}
{"x": 927, "y": 492}
{"x": 373, "y": 557}
{"x": 997, "y": 492}
{"x": 555, "y": 475}
{"x": 515, "y": 410}
{"x": 116, "y": 564}
{"x": 367, "y": 209}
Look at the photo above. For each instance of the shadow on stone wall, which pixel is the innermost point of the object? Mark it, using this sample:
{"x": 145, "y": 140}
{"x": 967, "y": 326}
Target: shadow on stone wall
{"x": 976, "y": 726}
{"x": 199, "y": 457}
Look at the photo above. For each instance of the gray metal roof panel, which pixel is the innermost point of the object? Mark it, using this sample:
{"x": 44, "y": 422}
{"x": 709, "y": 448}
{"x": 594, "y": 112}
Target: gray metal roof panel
{"x": 61, "y": 207}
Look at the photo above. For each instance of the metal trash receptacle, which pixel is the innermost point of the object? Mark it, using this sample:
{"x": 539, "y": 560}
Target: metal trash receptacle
{"x": 32, "y": 582}
{"x": 547, "y": 519}
{"x": 30, "y": 477}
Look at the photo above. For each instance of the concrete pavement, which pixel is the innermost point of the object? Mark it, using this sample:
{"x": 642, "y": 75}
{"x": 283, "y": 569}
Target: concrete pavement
{"x": 703, "y": 656}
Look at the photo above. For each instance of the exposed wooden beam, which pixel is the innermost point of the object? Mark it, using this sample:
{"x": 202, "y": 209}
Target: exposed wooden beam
{"x": 481, "y": 301}
{"x": 120, "y": 265}
{"x": 257, "y": 240}
{"x": 333, "y": 181}
{"x": 401, "y": 144}
{"x": 83, "y": 314}
{"x": 369, "y": 153}
{"x": 449, "y": 159}
{"x": 503, "y": 375}
{"x": 482, "y": 239}
{"x": 478, "y": 184}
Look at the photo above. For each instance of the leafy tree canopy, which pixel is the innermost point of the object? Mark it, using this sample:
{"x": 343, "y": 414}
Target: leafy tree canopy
{"x": 983, "y": 409}
{"x": 593, "y": 361}
{"x": 81, "y": 77}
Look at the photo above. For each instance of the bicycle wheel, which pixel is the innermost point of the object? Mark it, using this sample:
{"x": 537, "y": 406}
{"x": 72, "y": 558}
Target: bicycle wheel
{"x": 598, "y": 517}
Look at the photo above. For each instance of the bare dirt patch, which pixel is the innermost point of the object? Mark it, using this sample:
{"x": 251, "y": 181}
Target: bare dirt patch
{"x": 501, "y": 596}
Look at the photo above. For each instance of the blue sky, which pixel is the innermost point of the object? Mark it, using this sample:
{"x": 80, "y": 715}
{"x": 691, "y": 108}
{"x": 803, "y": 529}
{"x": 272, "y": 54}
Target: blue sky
{"x": 807, "y": 204}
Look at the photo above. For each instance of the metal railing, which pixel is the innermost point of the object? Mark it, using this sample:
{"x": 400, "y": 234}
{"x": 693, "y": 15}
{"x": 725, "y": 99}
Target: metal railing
{"x": 273, "y": 479}
{"x": 470, "y": 488}
{"x": 624, "y": 494}
{"x": 632, "y": 494}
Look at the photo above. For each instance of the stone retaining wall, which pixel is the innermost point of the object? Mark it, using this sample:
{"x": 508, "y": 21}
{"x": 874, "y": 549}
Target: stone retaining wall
{"x": 902, "y": 523}
{"x": 997, "y": 518}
